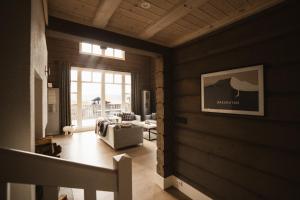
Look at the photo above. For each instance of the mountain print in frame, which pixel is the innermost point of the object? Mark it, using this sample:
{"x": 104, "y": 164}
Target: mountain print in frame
{"x": 237, "y": 91}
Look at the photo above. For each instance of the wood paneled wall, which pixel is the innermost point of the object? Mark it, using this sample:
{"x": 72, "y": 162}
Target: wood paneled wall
{"x": 162, "y": 79}
{"x": 68, "y": 51}
{"x": 237, "y": 156}
{"x": 153, "y": 85}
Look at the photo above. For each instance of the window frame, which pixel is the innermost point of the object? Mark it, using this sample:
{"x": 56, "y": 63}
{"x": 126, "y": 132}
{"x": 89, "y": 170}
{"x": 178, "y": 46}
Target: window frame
{"x": 102, "y": 54}
{"x": 102, "y": 83}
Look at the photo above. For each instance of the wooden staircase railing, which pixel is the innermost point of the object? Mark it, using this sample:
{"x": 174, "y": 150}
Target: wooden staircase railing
{"x": 31, "y": 168}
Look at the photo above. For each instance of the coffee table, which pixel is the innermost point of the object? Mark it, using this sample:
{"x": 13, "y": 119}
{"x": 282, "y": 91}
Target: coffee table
{"x": 149, "y": 127}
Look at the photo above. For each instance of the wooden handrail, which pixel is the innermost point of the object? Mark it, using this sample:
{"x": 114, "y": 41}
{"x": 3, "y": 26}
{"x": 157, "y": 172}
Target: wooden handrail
{"x": 31, "y": 168}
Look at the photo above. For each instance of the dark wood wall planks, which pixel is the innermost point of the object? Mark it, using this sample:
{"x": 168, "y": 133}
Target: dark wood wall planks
{"x": 236, "y": 156}
{"x": 164, "y": 167}
{"x": 68, "y": 51}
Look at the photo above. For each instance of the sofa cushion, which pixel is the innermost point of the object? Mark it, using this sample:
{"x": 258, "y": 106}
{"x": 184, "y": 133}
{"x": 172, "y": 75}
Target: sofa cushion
{"x": 151, "y": 121}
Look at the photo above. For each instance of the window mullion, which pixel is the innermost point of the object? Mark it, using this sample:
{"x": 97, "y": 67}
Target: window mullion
{"x": 92, "y": 50}
{"x": 103, "y": 94}
{"x": 123, "y": 93}
{"x": 79, "y": 99}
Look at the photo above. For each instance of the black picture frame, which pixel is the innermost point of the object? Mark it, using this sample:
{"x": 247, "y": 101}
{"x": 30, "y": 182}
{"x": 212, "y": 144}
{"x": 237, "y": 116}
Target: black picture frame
{"x": 237, "y": 91}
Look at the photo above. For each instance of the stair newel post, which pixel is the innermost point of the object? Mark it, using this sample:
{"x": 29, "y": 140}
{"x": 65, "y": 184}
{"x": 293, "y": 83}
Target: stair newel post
{"x": 123, "y": 165}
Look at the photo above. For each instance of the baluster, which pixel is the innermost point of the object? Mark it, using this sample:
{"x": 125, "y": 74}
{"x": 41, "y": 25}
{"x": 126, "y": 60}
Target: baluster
{"x": 3, "y": 190}
{"x": 123, "y": 165}
{"x": 50, "y": 192}
{"x": 90, "y": 194}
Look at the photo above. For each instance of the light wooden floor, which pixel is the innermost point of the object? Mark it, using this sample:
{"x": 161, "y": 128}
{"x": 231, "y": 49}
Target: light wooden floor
{"x": 88, "y": 148}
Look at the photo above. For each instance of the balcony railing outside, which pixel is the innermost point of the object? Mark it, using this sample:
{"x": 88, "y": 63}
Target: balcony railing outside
{"x": 90, "y": 112}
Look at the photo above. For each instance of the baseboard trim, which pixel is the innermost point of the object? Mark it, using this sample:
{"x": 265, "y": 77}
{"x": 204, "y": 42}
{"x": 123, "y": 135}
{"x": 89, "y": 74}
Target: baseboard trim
{"x": 182, "y": 186}
{"x": 162, "y": 182}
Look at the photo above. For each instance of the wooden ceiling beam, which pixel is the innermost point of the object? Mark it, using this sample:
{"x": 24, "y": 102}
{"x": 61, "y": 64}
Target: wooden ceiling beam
{"x": 104, "y": 12}
{"x": 175, "y": 14}
{"x": 74, "y": 38}
{"x": 101, "y": 35}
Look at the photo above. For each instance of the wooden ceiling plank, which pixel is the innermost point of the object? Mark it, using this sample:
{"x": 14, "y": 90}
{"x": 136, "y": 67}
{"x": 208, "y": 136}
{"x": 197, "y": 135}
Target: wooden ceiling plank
{"x": 93, "y": 3}
{"x": 171, "y": 33}
{"x": 104, "y": 12}
{"x": 71, "y": 17}
{"x": 175, "y": 14}
{"x": 203, "y": 16}
{"x": 165, "y": 37}
{"x": 174, "y": 2}
{"x": 238, "y": 15}
{"x": 120, "y": 29}
{"x": 77, "y": 7}
{"x": 130, "y": 19}
{"x": 178, "y": 28}
{"x": 256, "y": 2}
{"x": 187, "y": 24}
{"x": 139, "y": 11}
{"x": 153, "y": 9}
{"x": 54, "y": 9}
{"x": 168, "y": 36}
{"x": 238, "y": 4}
{"x": 127, "y": 24}
{"x": 211, "y": 10}
{"x": 69, "y": 4}
{"x": 157, "y": 10}
{"x": 224, "y": 6}
{"x": 162, "y": 4}
{"x": 195, "y": 20}
{"x": 134, "y": 16}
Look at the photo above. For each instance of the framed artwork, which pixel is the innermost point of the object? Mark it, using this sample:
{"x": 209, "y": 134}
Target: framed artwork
{"x": 237, "y": 91}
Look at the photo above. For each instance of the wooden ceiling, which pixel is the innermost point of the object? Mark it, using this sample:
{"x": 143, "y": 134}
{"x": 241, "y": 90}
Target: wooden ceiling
{"x": 166, "y": 22}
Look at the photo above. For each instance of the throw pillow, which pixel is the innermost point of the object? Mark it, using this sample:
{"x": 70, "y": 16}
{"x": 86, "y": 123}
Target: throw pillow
{"x": 128, "y": 116}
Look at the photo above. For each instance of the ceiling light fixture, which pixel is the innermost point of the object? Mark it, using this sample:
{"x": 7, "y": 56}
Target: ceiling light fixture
{"x": 145, "y": 4}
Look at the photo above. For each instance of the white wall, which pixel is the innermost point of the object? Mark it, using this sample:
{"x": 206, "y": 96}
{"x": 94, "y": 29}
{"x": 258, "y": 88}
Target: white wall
{"x": 38, "y": 107}
{"x": 38, "y": 59}
{"x": 23, "y": 51}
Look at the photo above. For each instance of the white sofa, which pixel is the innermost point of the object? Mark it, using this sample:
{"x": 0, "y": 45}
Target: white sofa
{"x": 119, "y": 138}
{"x": 137, "y": 118}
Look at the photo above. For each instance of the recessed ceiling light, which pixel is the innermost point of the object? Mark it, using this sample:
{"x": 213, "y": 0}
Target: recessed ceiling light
{"x": 145, "y": 5}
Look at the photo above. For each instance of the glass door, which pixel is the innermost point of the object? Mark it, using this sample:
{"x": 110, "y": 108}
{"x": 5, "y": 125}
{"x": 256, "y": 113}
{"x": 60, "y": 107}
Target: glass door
{"x": 113, "y": 93}
{"x": 96, "y": 93}
{"x": 90, "y": 98}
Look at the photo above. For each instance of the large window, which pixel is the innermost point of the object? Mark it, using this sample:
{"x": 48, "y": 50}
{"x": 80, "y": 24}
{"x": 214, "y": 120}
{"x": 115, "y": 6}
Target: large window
{"x": 96, "y": 93}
